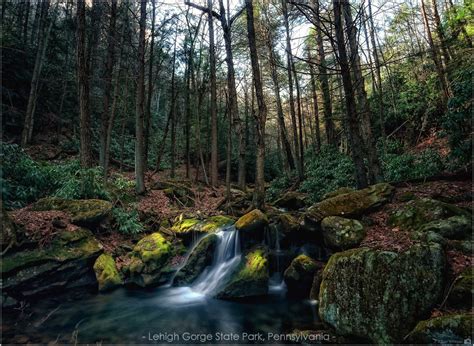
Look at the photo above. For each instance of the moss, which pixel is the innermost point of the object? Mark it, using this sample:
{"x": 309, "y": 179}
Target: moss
{"x": 418, "y": 212}
{"x": 288, "y": 223}
{"x": 379, "y": 294}
{"x": 213, "y": 223}
{"x": 67, "y": 246}
{"x": 106, "y": 273}
{"x": 252, "y": 221}
{"x": 299, "y": 275}
{"x": 184, "y": 226}
{"x": 447, "y": 329}
{"x": 350, "y": 204}
{"x": 455, "y": 227}
{"x": 340, "y": 191}
{"x": 250, "y": 278}
{"x": 340, "y": 233}
{"x": 153, "y": 248}
{"x": 83, "y": 212}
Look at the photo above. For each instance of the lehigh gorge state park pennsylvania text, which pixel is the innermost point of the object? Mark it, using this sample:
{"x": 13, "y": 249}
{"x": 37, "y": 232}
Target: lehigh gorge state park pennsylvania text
{"x": 236, "y": 172}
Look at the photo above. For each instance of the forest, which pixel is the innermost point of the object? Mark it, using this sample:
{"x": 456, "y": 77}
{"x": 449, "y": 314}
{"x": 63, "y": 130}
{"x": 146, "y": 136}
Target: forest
{"x": 236, "y": 171}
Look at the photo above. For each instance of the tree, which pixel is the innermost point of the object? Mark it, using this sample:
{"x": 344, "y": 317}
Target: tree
{"x": 140, "y": 104}
{"x": 261, "y": 116}
{"x": 83, "y": 85}
{"x": 351, "y": 110}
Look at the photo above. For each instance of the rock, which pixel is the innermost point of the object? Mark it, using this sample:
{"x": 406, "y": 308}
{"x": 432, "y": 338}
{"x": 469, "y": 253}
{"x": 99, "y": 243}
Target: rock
{"x": 189, "y": 229}
{"x": 299, "y": 275}
{"x": 315, "y": 286}
{"x": 252, "y": 221}
{"x": 288, "y": 223}
{"x": 176, "y": 190}
{"x": 454, "y": 227}
{"x": 199, "y": 258}
{"x": 291, "y": 200}
{"x": 251, "y": 277}
{"x": 84, "y": 212}
{"x": 342, "y": 234}
{"x": 462, "y": 293}
{"x": 465, "y": 246}
{"x": 380, "y": 295}
{"x": 419, "y": 212}
{"x": 349, "y": 204}
{"x": 339, "y": 191}
{"x": 448, "y": 329}
{"x": 64, "y": 263}
{"x": 106, "y": 273}
{"x": 148, "y": 259}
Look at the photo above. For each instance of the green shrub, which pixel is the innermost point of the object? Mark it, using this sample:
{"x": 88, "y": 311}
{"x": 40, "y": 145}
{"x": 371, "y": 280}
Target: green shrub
{"x": 127, "y": 221}
{"x": 277, "y": 187}
{"x": 326, "y": 171}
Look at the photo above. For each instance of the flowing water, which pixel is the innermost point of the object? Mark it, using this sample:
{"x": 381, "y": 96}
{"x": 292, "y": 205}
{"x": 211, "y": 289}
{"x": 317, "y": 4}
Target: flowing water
{"x": 170, "y": 314}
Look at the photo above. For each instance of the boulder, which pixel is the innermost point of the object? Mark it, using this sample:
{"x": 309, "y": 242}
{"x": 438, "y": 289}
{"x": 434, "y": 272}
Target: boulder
{"x": 339, "y": 191}
{"x": 349, "y": 204}
{"x": 199, "y": 258}
{"x": 106, "y": 273}
{"x": 448, "y": 329}
{"x": 251, "y": 277}
{"x": 380, "y": 295}
{"x": 189, "y": 229}
{"x": 342, "y": 234}
{"x": 64, "y": 263}
{"x": 84, "y": 212}
{"x": 288, "y": 223}
{"x": 299, "y": 275}
{"x": 455, "y": 227}
{"x": 148, "y": 259}
{"x": 291, "y": 200}
{"x": 252, "y": 221}
{"x": 462, "y": 292}
{"x": 317, "y": 279}
{"x": 419, "y": 212}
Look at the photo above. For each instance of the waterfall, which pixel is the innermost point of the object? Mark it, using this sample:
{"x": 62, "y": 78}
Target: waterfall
{"x": 226, "y": 260}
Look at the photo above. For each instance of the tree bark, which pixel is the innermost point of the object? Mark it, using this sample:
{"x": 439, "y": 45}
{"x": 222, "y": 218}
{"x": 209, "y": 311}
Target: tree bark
{"x": 108, "y": 70}
{"x": 140, "y": 100}
{"x": 212, "y": 68}
{"x": 315, "y": 103}
{"x": 352, "y": 119}
{"x": 260, "y": 119}
{"x": 323, "y": 79}
{"x": 83, "y": 85}
{"x": 374, "y": 170}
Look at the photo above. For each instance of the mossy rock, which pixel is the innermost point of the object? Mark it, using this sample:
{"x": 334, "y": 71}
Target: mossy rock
{"x": 299, "y": 275}
{"x": 447, "y": 329}
{"x": 342, "y": 234}
{"x": 84, "y": 212}
{"x": 462, "y": 293}
{"x": 251, "y": 277}
{"x": 209, "y": 225}
{"x": 292, "y": 200}
{"x": 8, "y": 229}
{"x": 419, "y": 212}
{"x": 288, "y": 223}
{"x": 454, "y": 227}
{"x": 65, "y": 262}
{"x": 184, "y": 225}
{"x": 106, "y": 273}
{"x": 252, "y": 221}
{"x": 148, "y": 258}
{"x": 380, "y": 295}
{"x": 199, "y": 258}
{"x": 339, "y": 191}
{"x": 349, "y": 204}
{"x": 316, "y": 284}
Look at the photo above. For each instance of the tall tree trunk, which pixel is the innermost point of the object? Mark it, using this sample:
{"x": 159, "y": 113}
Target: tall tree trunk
{"x": 443, "y": 81}
{"x": 352, "y": 121}
{"x": 83, "y": 85}
{"x": 300, "y": 123}
{"x": 440, "y": 32}
{"x": 323, "y": 79}
{"x": 280, "y": 115}
{"x": 25, "y": 23}
{"x": 43, "y": 36}
{"x": 374, "y": 170}
{"x": 212, "y": 68}
{"x": 289, "y": 58}
{"x": 315, "y": 103}
{"x": 147, "y": 123}
{"x": 139, "y": 115}
{"x": 108, "y": 70}
{"x": 260, "y": 119}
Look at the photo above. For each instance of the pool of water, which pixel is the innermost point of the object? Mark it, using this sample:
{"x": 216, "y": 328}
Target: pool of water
{"x": 165, "y": 315}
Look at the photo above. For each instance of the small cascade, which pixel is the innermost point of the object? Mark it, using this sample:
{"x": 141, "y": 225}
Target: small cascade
{"x": 226, "y": 260}
{"x": 276, "y": 284}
